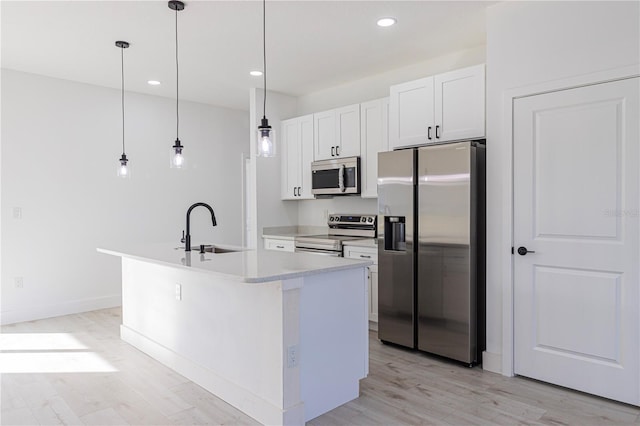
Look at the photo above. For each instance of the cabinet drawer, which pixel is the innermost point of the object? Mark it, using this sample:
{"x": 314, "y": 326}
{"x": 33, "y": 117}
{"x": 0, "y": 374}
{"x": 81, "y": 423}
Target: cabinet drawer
{"x": 280, "y": 245}
{"x": 362, "y": 253}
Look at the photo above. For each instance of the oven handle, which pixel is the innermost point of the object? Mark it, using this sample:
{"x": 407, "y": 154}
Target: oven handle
{"x": 341, "y": 172}
{"x": 320, "y": 252}
{"x": 317, "y": 246}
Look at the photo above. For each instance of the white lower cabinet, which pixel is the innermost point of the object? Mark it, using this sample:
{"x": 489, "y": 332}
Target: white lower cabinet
{"x": 373, "y": 293}
{"x": 368, "y": 253}
{"x": 279, "y": 245}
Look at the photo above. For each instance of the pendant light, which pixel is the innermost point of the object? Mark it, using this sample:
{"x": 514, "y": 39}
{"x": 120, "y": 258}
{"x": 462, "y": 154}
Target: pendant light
{"x": 124, "y": 170}
{"x": 266, "y": 139}
{"x": 177, "y": 157}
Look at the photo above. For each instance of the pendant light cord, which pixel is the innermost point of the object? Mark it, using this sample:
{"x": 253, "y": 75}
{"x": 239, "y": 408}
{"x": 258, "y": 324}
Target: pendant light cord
{"x": 264, "y": 58}
{"x": 177, "y": 82}
{"x": 122, "y": 69}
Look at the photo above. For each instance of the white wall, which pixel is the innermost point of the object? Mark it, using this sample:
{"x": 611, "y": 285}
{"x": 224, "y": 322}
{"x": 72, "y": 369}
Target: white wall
{"x": 267, "y": 208}
{"x": 377, "y": 86}
{"x": 313, "y": 212}
{"x": 530, "y": 43}
{"x": 60, "y": 145}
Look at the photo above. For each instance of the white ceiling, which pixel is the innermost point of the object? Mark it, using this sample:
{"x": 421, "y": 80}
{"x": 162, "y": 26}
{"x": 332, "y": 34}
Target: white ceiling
{"x": 311, "y": 45}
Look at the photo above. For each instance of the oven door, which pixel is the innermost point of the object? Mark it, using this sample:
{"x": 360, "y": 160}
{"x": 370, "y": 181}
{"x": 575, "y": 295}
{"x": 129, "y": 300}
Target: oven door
{"x": 319, "y": 251}
{"x": 336, "y": 177}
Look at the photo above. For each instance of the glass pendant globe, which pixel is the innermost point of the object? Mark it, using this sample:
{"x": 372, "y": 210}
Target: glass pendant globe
{"x": 177, "y": 158}
{"x": 266, "y": 146}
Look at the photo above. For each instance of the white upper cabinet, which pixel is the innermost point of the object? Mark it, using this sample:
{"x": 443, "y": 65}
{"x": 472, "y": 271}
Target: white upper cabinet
{"x": 411, "y": 113}
{"x": 297, "y": 155}
{"x": 459, "y": 104}
{"x": 337, "y": 133}
{"x": 374, "y": 135}
{"x": 348, "y": 131}
{"x": 324, "y": 135}
{"x": 445, "y": 107}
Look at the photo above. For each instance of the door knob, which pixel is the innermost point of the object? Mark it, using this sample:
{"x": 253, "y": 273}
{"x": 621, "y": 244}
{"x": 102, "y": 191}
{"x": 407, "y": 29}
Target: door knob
{"x": 523, "y": 250}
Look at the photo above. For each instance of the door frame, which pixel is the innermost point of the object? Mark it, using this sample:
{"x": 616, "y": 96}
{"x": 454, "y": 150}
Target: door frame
{"x": 508, "y": 176}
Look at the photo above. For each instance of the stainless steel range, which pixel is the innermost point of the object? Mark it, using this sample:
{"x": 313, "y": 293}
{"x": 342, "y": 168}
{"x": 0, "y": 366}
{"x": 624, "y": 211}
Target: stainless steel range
{"x": 342, "y": 227}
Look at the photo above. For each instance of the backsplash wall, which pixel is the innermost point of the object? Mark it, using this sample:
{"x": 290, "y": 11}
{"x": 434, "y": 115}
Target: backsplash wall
{"x": 313, "y": 212}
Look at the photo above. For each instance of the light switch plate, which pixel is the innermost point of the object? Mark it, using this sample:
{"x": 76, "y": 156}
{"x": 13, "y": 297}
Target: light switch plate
{"x": 292, "y": 356}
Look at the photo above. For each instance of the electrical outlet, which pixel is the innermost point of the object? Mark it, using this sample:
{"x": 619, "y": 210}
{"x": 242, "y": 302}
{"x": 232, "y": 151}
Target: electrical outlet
{"x": 292, "y": 356}
{"x": 17, "y": 212}
{"x": 178, "y": 291}
{"x": 18, "y": 282}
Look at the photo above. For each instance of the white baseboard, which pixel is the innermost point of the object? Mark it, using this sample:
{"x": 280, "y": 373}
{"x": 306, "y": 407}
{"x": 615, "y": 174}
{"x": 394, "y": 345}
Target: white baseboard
{"x": 59, "y": 309}
{"x": 241, "y": 398}
{"x": 492, "y": 362}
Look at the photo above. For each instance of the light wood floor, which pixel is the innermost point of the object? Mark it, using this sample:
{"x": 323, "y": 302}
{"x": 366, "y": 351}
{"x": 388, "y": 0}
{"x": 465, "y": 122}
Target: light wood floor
{"x": 403, "y": 387}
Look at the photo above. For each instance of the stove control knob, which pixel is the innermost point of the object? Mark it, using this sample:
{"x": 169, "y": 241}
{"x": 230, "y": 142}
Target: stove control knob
{"x": 337, "y": 218}
{"x": 364, "y": 219}
{"x": 331, "y": 219}
{"x": 370, "y": 220}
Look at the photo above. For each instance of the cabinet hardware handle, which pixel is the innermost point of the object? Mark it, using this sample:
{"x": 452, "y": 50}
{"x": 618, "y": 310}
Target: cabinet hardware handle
{"x": 337, "y": 151}
{"x": 299, "y": 188}
{"x": 437, "y": 132}
{"x": 279, "y": 246}
{"x": 294, "y": 191}
{"x": 429, "y": 132}
{"x": 366, "y": 257}
{"x": 333, "y": 151}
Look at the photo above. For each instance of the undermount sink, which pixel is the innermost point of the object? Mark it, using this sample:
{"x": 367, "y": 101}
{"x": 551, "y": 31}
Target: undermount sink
{"x": 209, "y": 248}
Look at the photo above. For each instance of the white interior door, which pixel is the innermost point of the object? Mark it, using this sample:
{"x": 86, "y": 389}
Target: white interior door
{"x": 576, "y": 190}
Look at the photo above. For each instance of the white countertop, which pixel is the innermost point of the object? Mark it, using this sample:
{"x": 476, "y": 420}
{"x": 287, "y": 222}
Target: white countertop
{"x": 250, "y": 266}
{"x": 291, "y": 232}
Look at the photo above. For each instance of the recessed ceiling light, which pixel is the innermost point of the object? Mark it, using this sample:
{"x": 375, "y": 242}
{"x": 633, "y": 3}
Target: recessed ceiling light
{"x": 386, "y": 22}
{"x": 256, "y": 73}
{"x": 153, "y": 83}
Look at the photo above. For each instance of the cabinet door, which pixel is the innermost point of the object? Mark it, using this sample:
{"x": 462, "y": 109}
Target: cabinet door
{"x": 459, "y": 105}
{"x": 348, "y": 131}
{"x": 305, "y": 130}
{"x": 373, "y": 293}
{"x": 290, "y": 157}
{"x": 411, "y": 113}
{"x": 374, "y": 138}
{"x": 324, "y": 135}
{"x": 361, "y": 253}
{"x": 279, "y": 245}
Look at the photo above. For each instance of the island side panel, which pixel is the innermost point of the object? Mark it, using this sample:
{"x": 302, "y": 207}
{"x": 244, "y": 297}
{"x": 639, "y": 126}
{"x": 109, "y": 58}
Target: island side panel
{"x": 225, "y": 335}
{"x": 334, "y": 343}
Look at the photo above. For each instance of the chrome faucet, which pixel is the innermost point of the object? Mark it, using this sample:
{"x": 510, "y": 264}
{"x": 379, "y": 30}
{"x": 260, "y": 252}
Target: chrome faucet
{"x": 187, "y": 238}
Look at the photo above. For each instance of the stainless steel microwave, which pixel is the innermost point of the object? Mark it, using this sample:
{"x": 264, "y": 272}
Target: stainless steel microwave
{"x": 340, "y": 176}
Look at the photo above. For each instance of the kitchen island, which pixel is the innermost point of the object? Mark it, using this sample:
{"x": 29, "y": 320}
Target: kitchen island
{"x": 280, "y": 336}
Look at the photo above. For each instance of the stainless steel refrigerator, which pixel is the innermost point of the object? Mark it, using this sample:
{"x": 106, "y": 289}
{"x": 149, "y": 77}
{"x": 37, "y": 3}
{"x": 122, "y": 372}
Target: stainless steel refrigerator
{"x": 431, "y": 249}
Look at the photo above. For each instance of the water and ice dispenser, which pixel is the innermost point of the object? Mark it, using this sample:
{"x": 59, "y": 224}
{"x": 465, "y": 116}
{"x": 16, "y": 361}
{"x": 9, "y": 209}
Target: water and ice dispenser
{"x": 394, "y": 233}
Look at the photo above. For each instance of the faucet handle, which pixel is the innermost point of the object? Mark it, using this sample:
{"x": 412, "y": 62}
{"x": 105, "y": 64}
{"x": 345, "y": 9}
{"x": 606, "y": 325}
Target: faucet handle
{"x": 182, "y": 240}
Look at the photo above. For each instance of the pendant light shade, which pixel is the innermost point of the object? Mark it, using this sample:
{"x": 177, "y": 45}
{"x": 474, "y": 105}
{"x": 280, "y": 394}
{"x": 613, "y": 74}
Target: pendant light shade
{"x": 266, "y": 138}
{"x": 177, "y": 160}
{"x": 124, "y": 169}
